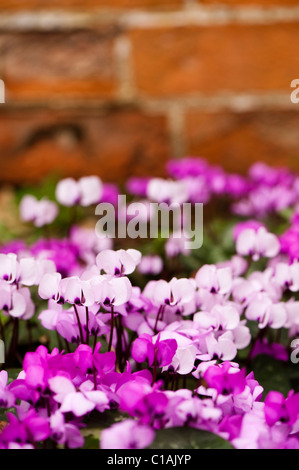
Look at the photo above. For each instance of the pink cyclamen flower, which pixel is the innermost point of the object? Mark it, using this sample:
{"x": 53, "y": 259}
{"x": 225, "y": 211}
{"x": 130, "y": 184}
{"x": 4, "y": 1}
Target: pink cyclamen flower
{"x": 257, "y": 243}
{"x": 150, "y": 264}
{"x": 168, "y": 191}
{"x": 248, "y": 224}
{"x": 40, "y": 213}
{"x": 213, "y": 279}
{"x": 86, "y": 191}
{"x": 118, "y": 263}
{"x": 49, "y": 287}
{"x": 79, "y": 402}
{"x": 8, "y": 267}
{"x": 7, "y": 398}
{"x": 111, "y": 291}
{"x": 65, "y": 433}
{"x": 128, "y": 434}
{"x": 174, "y": 292}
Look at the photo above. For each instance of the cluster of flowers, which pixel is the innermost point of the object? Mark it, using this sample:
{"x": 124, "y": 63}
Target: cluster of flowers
{"x": 55, "y": 391}
{"x": 156, "y": 337}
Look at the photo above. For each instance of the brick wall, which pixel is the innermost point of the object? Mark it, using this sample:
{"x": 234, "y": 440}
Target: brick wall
{"x": 116, "y": 87}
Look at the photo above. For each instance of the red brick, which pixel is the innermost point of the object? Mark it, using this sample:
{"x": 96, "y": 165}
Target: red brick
{"x": 47, "y": 65}
{"x": 217, "y": 58}
{"x": 269, "y": 3}
{"x": 235, "y": 140}
{"x": 82, "y": 5}
{"x": 114, "y": 144}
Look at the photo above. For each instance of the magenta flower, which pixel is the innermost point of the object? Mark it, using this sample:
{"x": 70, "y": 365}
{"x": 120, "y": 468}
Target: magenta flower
{"x": 225, "y": 378}
{"x": 88, "y": 360}
{"x": 280, "y": 409}
{"x": 29, "y": 428}
{"x": 137, "y": 186}
{"x": 276, "y": 350}
{"x": 141, "y": 400}
{"x": 159, "y": 351}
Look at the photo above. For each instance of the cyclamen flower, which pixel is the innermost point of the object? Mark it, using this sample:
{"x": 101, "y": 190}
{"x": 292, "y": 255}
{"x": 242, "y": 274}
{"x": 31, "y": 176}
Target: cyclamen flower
{"x": 176, "y": 244}
{"x": 168, "y": 191}
{"x": 29, "y": 428}
{"x": 128, "y": 434}
{"x": 16, "y": 302}
{"x": 140, "y": 399}
{"x": 88, "y": 360}
{"x": 257, "y": 243}
{"x": 63, "y": 253}
{"x": 159, "y": 351}
{"x": 248, "y": 224}
{"x": 150, "y": 264}
{"x": 111, "y": 291}
{"x": 287, "y": 276}
{"x": 137, "y": 186}
{"x": 79, "y": 402}
{"x": 8, "y": 267}
{"x": 70, "y": 289}
{"x": 276, "y": 350}
{"x": 118, "y": 263}
{"x": 263, "y": 310}
{"x": 40, "y": 213}
{"x": 86, "y": 191}
{"x": 172, "y": 293}
{"x": 188, "y": 166}
{"x": 281, "y": 409}
{"x": 213, "y": 279}
{"x": 7, "y": 398}
{"x": 65, "y": 433}
{"x": 24, "y": 271}
{"x": 185, "y": 354}
{"x": 225, "y": 378}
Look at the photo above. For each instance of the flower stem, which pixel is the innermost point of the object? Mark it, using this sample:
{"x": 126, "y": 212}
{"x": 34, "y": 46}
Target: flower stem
{"x": 79, "y": 324}
{"x": 87, "y": 320}
{"x": 112, "y": 328}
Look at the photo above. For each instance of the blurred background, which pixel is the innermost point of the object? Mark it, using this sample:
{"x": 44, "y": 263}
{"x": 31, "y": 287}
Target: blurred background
{"x": 117, "y": 87}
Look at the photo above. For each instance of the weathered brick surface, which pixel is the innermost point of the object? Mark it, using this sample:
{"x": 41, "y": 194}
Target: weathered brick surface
{"x": 268, "y": 3}
{"x": 113, "y": 144}
{"x": 156, "y": 65}
{"x": 235, "y": 140}
{"x": 59, "y": 65}
{"x": 82, "y": 5}
{"x": 185, "y": 60}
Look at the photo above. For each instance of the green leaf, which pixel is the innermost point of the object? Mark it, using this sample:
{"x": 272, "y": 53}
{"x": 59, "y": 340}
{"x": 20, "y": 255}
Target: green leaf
{"x": 272, "y": 374}
{"x": 188, "y": 438}
{"x": 12, "y": 374}
{"x": 91, "y": 442}
{"x": 95, "y": 424}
